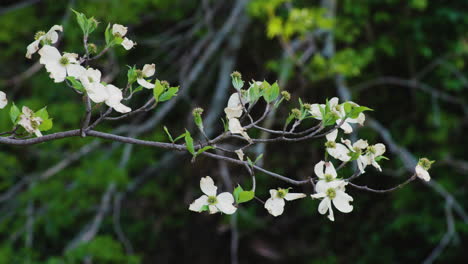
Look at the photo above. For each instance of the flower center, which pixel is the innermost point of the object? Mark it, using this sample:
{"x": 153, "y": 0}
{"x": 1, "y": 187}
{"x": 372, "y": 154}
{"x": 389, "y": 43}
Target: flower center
{"x": 331, "y": 193}
{"x": 212, "y": 200}
{"x": 281, "y": 193}
{"x": 139, "y": 74}
{"x": 330, "y": 144}
{"x": 371, "y": 149}
{"x": 329, "y": 177}
{"x": 39, "y": 34}
{"x": 64, "y": 61}
{"x": 425, "y": 163}
{"x": 356, "y": 149}
{"x": 90, "y": 80}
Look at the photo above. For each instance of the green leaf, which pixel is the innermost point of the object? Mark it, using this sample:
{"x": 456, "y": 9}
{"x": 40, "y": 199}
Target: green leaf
{"x": 131, "y": 75}
{"x": 179, "y": 137}
{"x": 46, "y": 125}
{"x": 168, "y": 134}
{"x": 189, "y": 142}
{"x": 379, "y": 158}
{"x": 200, "y": 151}
{"x": 354, "y": 113}
{"x": 108, "y": 35}
{"x": 82, "y": 21}
{"x": 204, "y": 208}
{"x": 236, "y": 192}
{"x": 254, "y": 93}
{"x": 271, "y": 93}
{"x": 258, "y": 158}
{"x": 158, "y": 90}
{"x": 14, "y": 113}
{"x": 42, "y": 113}
{"x": 76, "y": 84}
{"x": 167, "y": 95}
{"x": 225, "y": 125}
{"x": 245, "y": 196}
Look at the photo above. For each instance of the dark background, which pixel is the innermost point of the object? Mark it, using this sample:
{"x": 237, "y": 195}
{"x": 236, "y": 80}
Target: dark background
{"x": 129, "y": 204}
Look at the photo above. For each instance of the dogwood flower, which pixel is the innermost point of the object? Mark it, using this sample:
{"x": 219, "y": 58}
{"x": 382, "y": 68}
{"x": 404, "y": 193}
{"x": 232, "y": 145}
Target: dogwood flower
{"x": 43, "y": 38}
{"x": 234, "y": 107}
{"x": 120, "y": 31}
{"x": 422, "y": 169}
{"x": 356, "y": 150}
{"x": 325, "y": 175}
{"x": 336, "y": 150}
{"x": 114, "y": 97}
{"x": 60, "y": 66}
{"x": 275, "y": 204}
{"x": 147, "y": 71}
{"x": 3, "y": 100}
{"x": 333, "y": 192}
{"x": 29, "y": 122}
{"x": 91, "y": 80}
{"x": 236, "y": 128}
{"x": 220, "y": 203}
{"x": 372, "y": 153}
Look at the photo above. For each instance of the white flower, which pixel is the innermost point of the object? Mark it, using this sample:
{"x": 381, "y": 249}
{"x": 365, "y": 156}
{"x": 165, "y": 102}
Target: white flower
{"x": 128, "y": 44}
{"x": 333, "y": 192}
{"x": 236, "y": 128}
{"x": 234, "y": 107}
{"x": 336, "y": 150}
{"x": 275, "y": 204}
{"x": 48, "y": 38}
{"x": 422, "y": 169}
{"x": 3, "y": 100}
{"x": 356, "y": 149}
{"x": 240, "y": 154}
{"x": 114, "y": 97}
{"x": 147, "y": 71}
{"x": 325, "y": 175}
{"x": 119, "y": 30}
{"x": 373, "y": 152}
{"x": 223, "y": 202}
{"x": 29, "y": 122}
{"x": 91, "y": 80}
{"x": 340, "y": 112}
{"x": 422, "y": 173}
{"x": 60, "y": 66}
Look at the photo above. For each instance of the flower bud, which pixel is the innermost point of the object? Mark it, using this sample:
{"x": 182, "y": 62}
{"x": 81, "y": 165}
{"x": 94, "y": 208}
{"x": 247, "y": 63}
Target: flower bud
{"x": 165, "y": 84}
{"x": 39, "y": 34}
{"x": 296, "y": 113}
{"x": 237, "y": 80}
{"x": 197, "y": 112}
{"x": 425, "y": 163}
{"x": 286, "y": 95}
{"x": 92, "y": 48}
{"x": 308, "y": 107}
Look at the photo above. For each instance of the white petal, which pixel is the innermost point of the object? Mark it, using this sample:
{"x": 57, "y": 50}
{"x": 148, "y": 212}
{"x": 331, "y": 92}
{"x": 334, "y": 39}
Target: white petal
{"x": 49, "y": 54}
{"x": 127, "y": 44}
{"x": 197, "y": 205}
{"x": 207, "y": 186}
{"x": 97, "y": 92}
{"x": 32, "y": 48}
{"x": 57, "y": 71}
{"x": 145, "y": 83}
{"x": 318, "y": 169}
{"x": 345, "y": 126}
{"x": 315, "y": 111}
{"x": 294, "y": 196}
{"x": 330, "y": 169}
{"x": 332, "y": 136}
{"x": 379, "y": 149}
{"x": 273, "y": 193}
{"x": 121, "y": 108}
{"x": 75, "y": 70}
{"x": 119, "y": 30}
{"x": 148, "y": 70}
{"x": 3, "y": 100}
{"x": 235, "y": 126}
{"x": 321, "y": 186}
{"x": 422, "y": 173}
{"x": 330, "y": 212}
{"x": 275, "y": 206}
{"x": 340, "y": 152}
{"x": 376, "y": 165}
{"x": 240, "y": 154}
{"x": 324, "y": 206}
{"x": 213, "y": 209}
{"x": 233, "y": 112}
{"x": 318, "y": 195}
{"x": 341, "y": 202}
{"x": 234, "y": 100}
{"x": 52, "y": 33}
{"x": 225, "y": 203}
{"x": 333, "y": 102}
{"x": 361, "y": 164}
{"x": 361, "y": 144}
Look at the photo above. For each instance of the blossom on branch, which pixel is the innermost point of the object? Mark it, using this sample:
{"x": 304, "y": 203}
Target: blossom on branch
{"x": 424, "y": 165}
{"x": 147, "y": 71}
{"x": 114, "y": 96}
{"x": 30, "y": 122}
{"x": 212, "y": 202}
{"x": 43, "y": 38}
{"x": 120, "y": 32}
{"x": 275, "y": 204}
{"x": 91, "y": 80}
{"x": 336, "y": 150}
{"x": 333, "y": 192}
{"x": 60, "y": 66}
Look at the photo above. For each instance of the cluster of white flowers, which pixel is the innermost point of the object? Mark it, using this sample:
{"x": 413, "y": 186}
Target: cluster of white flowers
{"x": 60, "y": 66}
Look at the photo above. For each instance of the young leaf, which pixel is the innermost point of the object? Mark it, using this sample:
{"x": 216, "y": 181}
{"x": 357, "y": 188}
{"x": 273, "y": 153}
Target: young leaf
{"x": 179, "y": 137}
{"x": 245, "y": 196}
{"x": 271, "y": 93}
{"x": 167, "y": 95}
{"x": 108, "y": 35}
{"x": 236, "y": 192}
{"x": 168, "y": 134}
{"x": 200, "y": 151}
{"x": 46, "y": 125}
{"x": 42, "y": 113}
{"x": 189, "y": 143}
{"x": 14, "y": 113}
{"x": 157, "y": 90}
